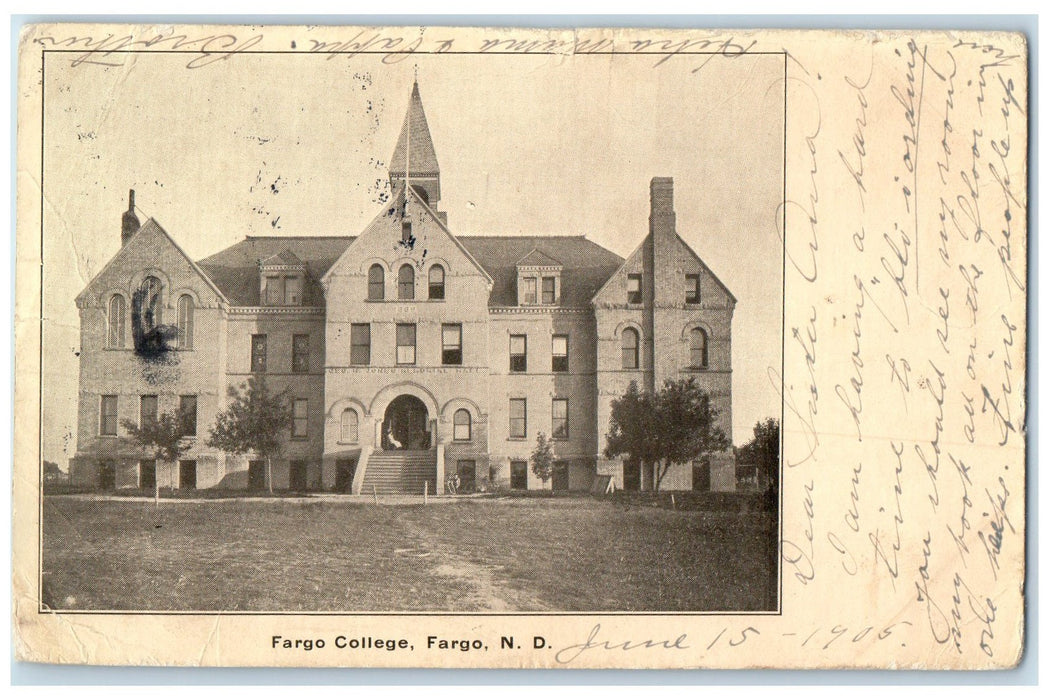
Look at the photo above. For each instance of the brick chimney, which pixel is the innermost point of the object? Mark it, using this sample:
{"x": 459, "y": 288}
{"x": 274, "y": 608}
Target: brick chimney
{"x": 661, "y": 220}
{"x": 129, "y": 224}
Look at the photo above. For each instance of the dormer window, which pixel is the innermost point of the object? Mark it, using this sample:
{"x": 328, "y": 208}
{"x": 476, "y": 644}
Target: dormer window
{"x": 538, "y": 279}
{"x": 283, "y": 280}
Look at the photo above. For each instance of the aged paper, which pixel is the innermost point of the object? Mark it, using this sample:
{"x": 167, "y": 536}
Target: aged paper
{"x": 442, "y": 243}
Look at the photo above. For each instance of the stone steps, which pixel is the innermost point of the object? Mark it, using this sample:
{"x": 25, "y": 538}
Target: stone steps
{"x": 398, "y": 472}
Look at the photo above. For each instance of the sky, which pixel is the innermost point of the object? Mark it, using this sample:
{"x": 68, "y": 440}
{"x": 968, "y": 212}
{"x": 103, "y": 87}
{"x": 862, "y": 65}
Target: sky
{"x": 528, "y": 145}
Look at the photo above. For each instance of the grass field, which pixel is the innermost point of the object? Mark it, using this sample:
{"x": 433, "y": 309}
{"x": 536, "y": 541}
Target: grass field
{"x": 526, "y": 554}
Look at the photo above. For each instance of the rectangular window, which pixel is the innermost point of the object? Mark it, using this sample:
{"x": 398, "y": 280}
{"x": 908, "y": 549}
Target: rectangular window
{"x": 549, "y": 290}
{"x": 559, "y": 420}
{"x": 406, "y": 343}
{"x": 360, "y": 344}
{"x": 293, "y": 291}
{"x": 258, "y": 353}
{"x": 518, "y": 418}
{"x": 691, "y": 289}
{"x": 633, "y": 289}
{"x": 518, "y": 475}
{"x": 518, "y": 353}
{"x": 147, "y": 474}
{"x": 147, "y": 410}
{"x": 107, "y": 423}
{"x": 274, "y": 290}
{"x": 452, "y": 344}
{"x": 300, "y": 353}
{"x": 300, "y": 409}
{"x": 559, "y": 353}
{"x": 187, "y": 407}
{"x": 529, "y": 290}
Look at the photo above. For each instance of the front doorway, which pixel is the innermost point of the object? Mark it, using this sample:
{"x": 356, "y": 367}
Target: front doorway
{"x": 147, "y": 474}
{"x": 344, "y": 471}
{"x": 405, "y": 426}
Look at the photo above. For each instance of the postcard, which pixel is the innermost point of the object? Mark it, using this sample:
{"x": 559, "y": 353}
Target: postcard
{"x": 513, "y": 348}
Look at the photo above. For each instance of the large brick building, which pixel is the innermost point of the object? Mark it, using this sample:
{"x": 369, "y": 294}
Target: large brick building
{"x": 410, "y": 353}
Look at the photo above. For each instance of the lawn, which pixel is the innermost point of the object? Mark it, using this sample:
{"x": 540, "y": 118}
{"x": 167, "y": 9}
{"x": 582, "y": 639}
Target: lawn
{"x": 514, "y": 554}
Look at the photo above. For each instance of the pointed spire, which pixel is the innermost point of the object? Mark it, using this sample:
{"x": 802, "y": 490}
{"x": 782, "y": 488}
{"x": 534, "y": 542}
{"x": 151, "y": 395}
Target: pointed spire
{"x": 414, "y": 147}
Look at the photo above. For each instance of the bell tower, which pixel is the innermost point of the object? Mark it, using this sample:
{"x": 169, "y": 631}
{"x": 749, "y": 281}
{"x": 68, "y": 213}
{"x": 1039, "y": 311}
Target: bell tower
{"x": 414, "y": 159}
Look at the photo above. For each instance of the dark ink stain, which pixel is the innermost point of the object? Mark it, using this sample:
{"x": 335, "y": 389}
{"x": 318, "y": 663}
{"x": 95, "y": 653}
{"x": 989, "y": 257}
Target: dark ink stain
{"x": 293, "y": 44}
{"x": 152, "y": 339}
{"x": 274, "y": 222}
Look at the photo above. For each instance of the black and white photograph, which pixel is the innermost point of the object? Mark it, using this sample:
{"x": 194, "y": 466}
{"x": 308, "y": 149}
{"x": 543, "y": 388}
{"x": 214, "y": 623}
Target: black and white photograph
{"x": 373, "y": 333}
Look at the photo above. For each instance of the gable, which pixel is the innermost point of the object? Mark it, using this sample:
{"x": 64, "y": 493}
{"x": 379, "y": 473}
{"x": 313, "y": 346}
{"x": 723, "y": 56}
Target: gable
{"x": 381, "y": 240}
{"x": 151, "y": 250}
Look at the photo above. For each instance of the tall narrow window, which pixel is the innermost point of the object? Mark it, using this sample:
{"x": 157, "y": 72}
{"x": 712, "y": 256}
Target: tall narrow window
{"x": 529, "y": 290}
{"x": 299, "y": 412}
{"x": 293, "y": 291}
{"x": 630, "y": 343}
{"x": 406, "y": 343}
{"x": 406, "y": 232}
{"x": 107, "y": 421}
{"x": 461, "y": 425}
{"x": 549, "y": 290}
{"x": 360, "y": 344}
{"x": 559, "y": 419}
{"x": 406, "y": 282}
{"x": 452, "y": 344}
{"x": 300, "y": 353}
{"x": 258, "y": 353}
{"x": 151, "y": 304}
{"x": 116, "y": 321}
{"x": 376, "y": 283}
{"x": 187, "y": 408}
{"x": 274, "y": 290}
{"x": 349, "y": 425}
{"x": 518, "y": 418}
{"x": 436, "y": 282}
{"x": 559, "y": 353}
{"x": 147, "y": 410}
{"x": 697, "y": 348}
{"x": 633, "y": 289}
{"x": 185, "y": 322}
{"x": 691, "y": 289}
{"x": 518, "y": 353}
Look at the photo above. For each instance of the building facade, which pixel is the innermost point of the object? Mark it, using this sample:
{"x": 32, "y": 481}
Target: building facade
{"x": 411, "y": 354}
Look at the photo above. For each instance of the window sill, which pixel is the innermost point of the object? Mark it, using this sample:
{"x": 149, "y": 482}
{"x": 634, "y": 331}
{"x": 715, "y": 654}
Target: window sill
{"x": 299, "y": 438}
{"x": 343, "y": 442}
{"x": 405, "y": 301}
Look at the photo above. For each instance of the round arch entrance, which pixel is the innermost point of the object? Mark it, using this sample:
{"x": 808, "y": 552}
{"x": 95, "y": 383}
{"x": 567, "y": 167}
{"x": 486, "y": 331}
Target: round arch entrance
{"x": 406, "y": 424}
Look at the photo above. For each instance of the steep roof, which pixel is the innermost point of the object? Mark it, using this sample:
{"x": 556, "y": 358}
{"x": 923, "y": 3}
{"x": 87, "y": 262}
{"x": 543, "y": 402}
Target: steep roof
{"x": 235, "y": 270}
{"x": 586, "y": 265}
{"x": 423, "y": 157}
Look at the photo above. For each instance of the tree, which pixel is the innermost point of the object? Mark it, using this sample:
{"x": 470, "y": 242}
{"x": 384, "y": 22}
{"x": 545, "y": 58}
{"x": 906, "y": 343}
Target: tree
{"x": 542, "y": 458}
{"x": 673, "y": 426}
{"x": 255, "y": 421}
{"x": 763, "y": 452}
{"x": 166, "y": 438}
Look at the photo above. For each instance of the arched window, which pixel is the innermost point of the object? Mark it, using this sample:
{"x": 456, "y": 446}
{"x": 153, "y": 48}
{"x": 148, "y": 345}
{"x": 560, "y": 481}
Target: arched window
{"x": 117, "y": 307}
{"x": 630, "y": 344}
{"x": 376, "y": 283}
{"x": 437, "y": 282}
{"x": 348, "y": 425}
{"x": 406, "y": 282}
{"x": 151, "y": 306}
{"x": 461, "y": 425}
{"x": 185, "y": 322}
{"x": 697, "y": 348}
